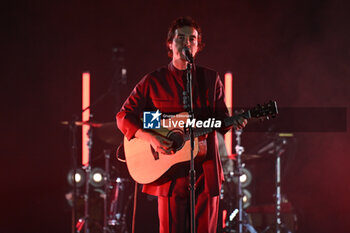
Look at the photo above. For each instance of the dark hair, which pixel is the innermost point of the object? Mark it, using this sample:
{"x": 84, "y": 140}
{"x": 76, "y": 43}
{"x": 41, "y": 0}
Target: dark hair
{"x": 179, "y": 23}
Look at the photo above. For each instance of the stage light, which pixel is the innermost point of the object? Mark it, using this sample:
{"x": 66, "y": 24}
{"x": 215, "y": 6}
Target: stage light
{"x": 97, "y": 177}
{"x": 79, "y": 177}
{"x": 247, "y": 198}
{"x": 85, "y": 117}
{"x": 229, "y": 104}
{"x": 245, "y": 178}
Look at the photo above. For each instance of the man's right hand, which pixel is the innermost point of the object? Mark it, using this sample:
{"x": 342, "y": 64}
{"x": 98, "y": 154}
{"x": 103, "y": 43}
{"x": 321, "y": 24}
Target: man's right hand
{"x": 159, "y": 143}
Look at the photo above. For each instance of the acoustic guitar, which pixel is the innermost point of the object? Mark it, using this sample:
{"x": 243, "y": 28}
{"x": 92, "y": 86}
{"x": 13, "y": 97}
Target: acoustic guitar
{"x": 145, "y": 165}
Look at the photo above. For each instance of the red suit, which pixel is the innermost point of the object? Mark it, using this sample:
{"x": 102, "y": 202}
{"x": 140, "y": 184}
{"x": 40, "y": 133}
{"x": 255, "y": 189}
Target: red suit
{"x": 163, "y": 90}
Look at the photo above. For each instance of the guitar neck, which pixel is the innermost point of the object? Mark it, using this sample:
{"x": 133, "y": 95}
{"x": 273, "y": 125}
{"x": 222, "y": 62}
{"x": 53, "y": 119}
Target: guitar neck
{"x": 231, "y": 120}
{"x": 197, "y": 132}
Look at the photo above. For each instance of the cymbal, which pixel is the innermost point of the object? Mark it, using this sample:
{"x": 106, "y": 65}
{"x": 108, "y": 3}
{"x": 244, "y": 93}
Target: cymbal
{"x": 109, "y": 133}
{"x": 81, "y": 123}
{"x": 244, "y": 157}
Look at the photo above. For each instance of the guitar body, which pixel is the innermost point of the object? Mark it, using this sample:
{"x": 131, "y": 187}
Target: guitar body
{"x": 146, "y": 166}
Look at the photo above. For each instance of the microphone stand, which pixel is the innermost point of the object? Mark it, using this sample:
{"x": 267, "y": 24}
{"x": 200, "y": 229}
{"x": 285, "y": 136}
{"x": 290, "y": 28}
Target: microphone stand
{"x": 188, "y": 104}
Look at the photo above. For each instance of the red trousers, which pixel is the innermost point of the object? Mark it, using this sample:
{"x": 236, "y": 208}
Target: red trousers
{"x": 174, "y": 211}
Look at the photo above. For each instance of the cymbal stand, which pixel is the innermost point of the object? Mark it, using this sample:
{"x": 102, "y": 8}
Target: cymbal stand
{"x": 106, "y": 178}
{"x": 279, "y": 150}
{"x": 74, "y": 153}
{"x": 87, "y": 169}
{"x": 83, "y": 222}
{"x": 242, "y": 215}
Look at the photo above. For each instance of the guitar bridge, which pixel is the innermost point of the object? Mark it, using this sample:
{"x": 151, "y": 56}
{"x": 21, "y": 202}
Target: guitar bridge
{"x": 154, "y": 153}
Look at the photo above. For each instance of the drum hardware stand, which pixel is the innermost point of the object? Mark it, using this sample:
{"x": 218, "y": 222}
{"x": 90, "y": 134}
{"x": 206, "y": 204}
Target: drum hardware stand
{"x": 73, "y": 129}
{"x": 84, "y": 220}
{"x": 116, "y": 214}
{"x": 242, "y": 215}
{"x": 87, "y": 169}
{"x": 118, "y": 209}
{"x": 279, "y": 225}
{"x": 106, "y": 178}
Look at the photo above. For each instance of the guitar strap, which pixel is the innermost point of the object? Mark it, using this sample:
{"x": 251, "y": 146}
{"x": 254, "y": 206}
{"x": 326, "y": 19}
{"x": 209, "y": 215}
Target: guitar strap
{"x": 120, "y": 154}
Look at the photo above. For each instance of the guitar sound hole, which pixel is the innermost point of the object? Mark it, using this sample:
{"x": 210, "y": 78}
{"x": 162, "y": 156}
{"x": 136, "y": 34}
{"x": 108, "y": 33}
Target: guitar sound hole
{"x": 177, "y": 138}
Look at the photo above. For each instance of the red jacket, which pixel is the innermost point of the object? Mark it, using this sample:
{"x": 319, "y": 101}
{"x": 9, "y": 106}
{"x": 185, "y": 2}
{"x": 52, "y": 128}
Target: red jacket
{"x": 163, "y": 90}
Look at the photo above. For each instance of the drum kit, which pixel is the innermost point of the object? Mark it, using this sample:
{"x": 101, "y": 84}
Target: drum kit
{"x": 103, "y": 208}
{"x": 238, "y": 210}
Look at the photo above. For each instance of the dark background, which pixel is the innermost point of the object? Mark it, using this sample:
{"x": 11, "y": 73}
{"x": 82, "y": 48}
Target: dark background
{"x": 295, "y": 52}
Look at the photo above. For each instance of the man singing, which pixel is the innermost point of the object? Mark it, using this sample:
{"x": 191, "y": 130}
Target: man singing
{"x": 163, "y": 90}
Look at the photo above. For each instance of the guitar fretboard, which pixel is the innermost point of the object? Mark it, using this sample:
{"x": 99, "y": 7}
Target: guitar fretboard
{"x": 197, "y": 132}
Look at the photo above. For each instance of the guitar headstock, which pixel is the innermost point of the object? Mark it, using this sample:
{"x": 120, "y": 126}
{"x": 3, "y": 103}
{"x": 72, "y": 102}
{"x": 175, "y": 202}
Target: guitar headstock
{"x": 264, "y": 111}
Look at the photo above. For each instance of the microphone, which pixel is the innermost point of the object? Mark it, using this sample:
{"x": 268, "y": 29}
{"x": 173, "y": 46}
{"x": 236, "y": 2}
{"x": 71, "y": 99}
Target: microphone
{"x": 188, "y": 55}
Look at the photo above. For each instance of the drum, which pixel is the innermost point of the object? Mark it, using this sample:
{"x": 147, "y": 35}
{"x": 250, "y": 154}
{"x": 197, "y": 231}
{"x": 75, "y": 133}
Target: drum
{"x": 121, "y": 201}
